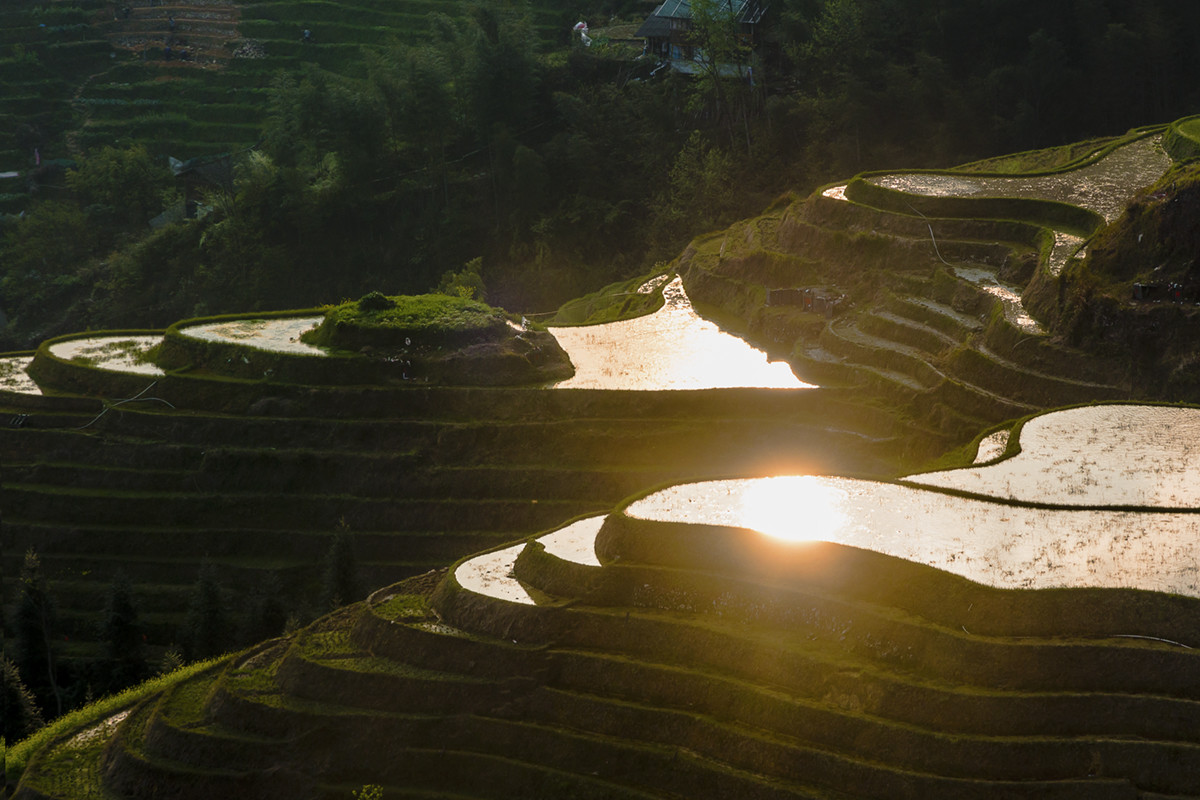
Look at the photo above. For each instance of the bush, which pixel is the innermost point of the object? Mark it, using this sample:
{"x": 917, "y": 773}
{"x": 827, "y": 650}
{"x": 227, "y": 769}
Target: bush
{"x": 375, "y": 301}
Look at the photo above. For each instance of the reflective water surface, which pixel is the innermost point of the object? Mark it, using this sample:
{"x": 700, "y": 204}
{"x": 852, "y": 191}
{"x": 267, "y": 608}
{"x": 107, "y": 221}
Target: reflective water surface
{"x": 117, "y": 353}
{"x": 1113, "y": 455}
{"x": 14, "y": 378}
{"x": 673, "y": 348}
{"x": 991, "y": 447}
{"x": 280, "y": 335}
{"x": 1014, "y": 309}
{"x": 1104, "y": 187}
{"x": 490, "y": 574}
{"x": 1087, "y": 460}
{"x": 994, "y": 544}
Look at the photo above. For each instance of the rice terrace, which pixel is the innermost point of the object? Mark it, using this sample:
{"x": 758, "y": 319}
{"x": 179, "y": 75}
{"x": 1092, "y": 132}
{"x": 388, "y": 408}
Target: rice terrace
{"x": 890, "y": 489}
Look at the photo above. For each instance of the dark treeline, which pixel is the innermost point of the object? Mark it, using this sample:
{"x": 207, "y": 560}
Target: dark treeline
{"x": 40, "y": 679}
{"x": 565, "y": 168}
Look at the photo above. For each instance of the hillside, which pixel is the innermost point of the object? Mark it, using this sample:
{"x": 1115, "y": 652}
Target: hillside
{"x": 184, "y": 78}
{"x": 637, "y": 657}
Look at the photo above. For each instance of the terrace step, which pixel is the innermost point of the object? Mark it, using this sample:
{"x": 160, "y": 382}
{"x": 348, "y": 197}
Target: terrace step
{"x": 913, "y": 333}
{"x": 573, "y": 680}
{"x": 846, "y": 338}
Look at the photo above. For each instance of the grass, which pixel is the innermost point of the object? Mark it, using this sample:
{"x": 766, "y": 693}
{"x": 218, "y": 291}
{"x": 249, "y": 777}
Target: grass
{"x": 18, "y": 755}
{"x": 403, "y": 606}
{"x": 622, "y": 300}
{"x": 421, "y": 321}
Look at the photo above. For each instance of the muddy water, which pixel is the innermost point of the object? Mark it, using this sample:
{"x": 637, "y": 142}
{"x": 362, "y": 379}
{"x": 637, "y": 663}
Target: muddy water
{"x": 1010, "y": 299}
{"x": 993, "y": 544}
{"x": 116, "y": 353}
{"x": 14, "y": 378}
{"x": 1104, "y": 187}
{"x": 490, "y": 574}
{"x": 279, "y": 335}
{"x": 673, "y": 348}
{"x": 1117, "y": 455}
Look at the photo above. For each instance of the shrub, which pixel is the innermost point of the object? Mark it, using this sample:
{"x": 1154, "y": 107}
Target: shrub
{"x": 375, "y": 301}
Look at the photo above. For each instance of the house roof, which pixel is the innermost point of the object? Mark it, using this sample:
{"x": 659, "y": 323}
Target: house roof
{"x": 654, "y": 26}
{"x": 742, "y": 10}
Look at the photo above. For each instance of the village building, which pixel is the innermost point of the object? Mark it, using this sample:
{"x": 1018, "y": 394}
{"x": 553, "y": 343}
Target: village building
{"x": 668, "y": 32}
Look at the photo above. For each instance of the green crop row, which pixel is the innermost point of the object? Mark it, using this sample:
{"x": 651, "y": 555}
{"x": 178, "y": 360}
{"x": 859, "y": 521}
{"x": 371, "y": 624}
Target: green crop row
{"x": 406, "y": 26}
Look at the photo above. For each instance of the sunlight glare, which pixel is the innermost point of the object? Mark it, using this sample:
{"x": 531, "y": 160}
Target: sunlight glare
{"x": 798, "y": 508}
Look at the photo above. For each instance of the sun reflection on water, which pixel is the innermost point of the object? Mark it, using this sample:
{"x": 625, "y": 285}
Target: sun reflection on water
{"x": 673, "y": 348}
{"x": 794, "y": 507}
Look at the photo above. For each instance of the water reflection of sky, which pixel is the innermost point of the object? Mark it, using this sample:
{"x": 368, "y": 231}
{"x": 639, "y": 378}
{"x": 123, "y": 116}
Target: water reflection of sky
{"x": 117, "y": 353}
{"x": 1082, "y": 459}
{"x": 490, "y": 574}
{"x": 1113, "y": 455}
{"x": 279, "y": 335}
{"x": 673, "y": 348}
{"x": 1105, "y": 186}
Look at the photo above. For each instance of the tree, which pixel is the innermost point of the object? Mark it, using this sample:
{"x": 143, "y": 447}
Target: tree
{"x": 206, "y": 629}
{"x": 466, "y": 282}
{"x": 122, "y": 186}
{"x": 34, "y": 634}
{"x": 21, "y": 715}
{"x": 724, "y": 57}
{"x": 339, "y": 583}
{"x": 266, "y": 615}
{"x": 121, "y": 637}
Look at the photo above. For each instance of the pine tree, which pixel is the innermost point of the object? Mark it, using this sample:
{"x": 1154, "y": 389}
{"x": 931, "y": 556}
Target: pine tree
{"x": 266, "y": 615}
{"x": 206, "y": 629}
{"x": 33, "y": 631}
{"x": 124, "y": 661}
{"x": 339, "y": 584}
{"x": 21, "y": 716}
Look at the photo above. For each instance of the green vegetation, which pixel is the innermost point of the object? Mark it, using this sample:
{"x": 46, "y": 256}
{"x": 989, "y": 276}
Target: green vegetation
{"x": 400, "y": 143}
{"x": 547, "y": 172}
{"x": 623, "y": 300}
{"x": 423, "y": 321}
{"x": 19, "y": 754}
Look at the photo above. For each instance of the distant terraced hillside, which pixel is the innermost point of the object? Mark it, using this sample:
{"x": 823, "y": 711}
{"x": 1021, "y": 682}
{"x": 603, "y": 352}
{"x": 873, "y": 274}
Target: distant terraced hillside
{"x": 184, "y": 78}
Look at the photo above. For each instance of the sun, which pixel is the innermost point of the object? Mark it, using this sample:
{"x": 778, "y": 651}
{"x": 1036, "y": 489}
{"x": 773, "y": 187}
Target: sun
{"x": 797, "y": 508}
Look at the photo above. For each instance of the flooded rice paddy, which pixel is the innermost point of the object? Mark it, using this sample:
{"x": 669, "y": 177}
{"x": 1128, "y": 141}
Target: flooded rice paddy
{"x": 1010, "y": 299}
{"x": 991, "y": 447}
{"x": 673, "y": 348}
{"x": 277, "y": 335}
{"x": 13, "y": 375}
{"x": 1114, "y": 455}
{"x": 1105, "y": 186}
{"x": 490, "y": 574}
{"x": 1091, "y": 462}
{"x": 116, "y": 353}
{"x": 999, "y": 545}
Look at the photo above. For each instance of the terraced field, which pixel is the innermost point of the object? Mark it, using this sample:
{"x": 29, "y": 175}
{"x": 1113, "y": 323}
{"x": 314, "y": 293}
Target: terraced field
{"x": 657, "y": 659}
{"x": 645, "y": 654}
{"x": 255, "y": 479}
{"x": 184, "y": 78}
{"x": 940, "y": 272}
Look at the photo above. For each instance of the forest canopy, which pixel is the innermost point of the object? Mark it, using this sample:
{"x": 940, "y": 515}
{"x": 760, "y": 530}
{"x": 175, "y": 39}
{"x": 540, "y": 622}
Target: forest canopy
{"x": 564, "y": 168}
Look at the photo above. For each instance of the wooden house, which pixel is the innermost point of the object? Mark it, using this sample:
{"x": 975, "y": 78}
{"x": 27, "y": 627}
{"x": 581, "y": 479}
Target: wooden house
{"x": 668, "y": 30}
